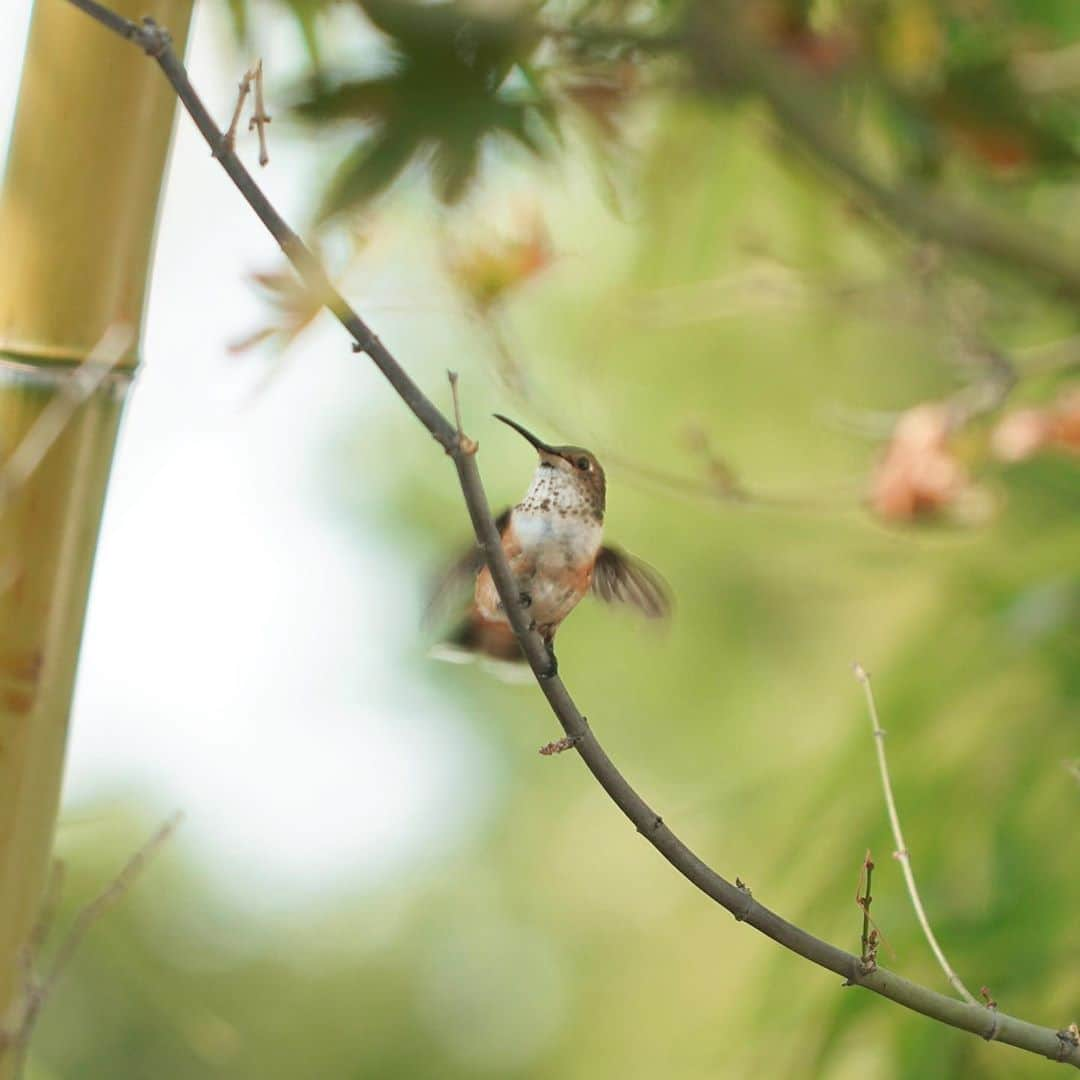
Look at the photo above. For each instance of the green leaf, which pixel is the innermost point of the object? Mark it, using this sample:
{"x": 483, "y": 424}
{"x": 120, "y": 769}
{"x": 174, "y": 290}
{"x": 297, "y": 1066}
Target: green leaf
{"x": 445, "y": 95}
{"x": 366, "y": 171}
{"x": 453, "y": 166}
{"x": 370, "y": 99}
{"x": 447, "y": 31}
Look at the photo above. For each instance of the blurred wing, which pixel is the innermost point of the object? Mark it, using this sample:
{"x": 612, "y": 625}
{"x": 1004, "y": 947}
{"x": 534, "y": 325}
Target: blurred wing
{"x": 620, "y": 578}
{"x": 459, "y": 574}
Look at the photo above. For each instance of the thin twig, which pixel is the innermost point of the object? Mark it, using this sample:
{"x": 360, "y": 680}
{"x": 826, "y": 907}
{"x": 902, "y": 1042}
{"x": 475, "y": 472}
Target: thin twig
{"x": 1038, "y": 1039}
{"x": 15, "y": 1033}
{"x": 36, "y": 989}
{"x": 1052, "y": 357}
{"x": 260, "y": 118}
{"x": 253, "y": 78}
{"x": 901, "y": 854}
{"x": 465, "y": 444}
{"x": 49, "y": 904}
{"x": 113, "y": 892}
{"x": 864, "y": 899}
{"x": 243, "y": 90}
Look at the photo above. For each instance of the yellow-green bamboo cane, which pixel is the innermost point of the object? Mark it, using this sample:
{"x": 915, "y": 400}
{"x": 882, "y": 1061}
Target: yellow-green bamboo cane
{"x": 77, "y": 213}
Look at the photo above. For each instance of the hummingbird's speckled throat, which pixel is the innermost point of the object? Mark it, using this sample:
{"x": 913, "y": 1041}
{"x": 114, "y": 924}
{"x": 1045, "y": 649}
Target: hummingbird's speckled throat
{"x": 555, "y": 491}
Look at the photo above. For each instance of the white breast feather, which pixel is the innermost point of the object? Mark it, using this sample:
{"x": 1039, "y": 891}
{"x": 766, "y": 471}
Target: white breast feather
{"x": 548, "y": 536}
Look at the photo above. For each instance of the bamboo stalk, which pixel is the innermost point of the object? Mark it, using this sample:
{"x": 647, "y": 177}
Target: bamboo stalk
{"x": 77, "y": 212}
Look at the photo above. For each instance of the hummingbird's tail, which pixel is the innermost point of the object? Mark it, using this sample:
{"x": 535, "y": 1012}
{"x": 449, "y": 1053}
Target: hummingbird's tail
{"x": 475, "y": 637}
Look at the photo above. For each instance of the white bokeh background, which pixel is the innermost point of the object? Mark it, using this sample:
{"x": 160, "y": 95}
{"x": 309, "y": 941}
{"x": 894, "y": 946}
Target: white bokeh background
{"x": 230, "y": 666}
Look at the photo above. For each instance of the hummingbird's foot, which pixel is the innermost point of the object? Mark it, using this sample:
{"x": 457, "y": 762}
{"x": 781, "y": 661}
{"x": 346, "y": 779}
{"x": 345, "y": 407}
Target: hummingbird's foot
{"x": 553, "y": 663}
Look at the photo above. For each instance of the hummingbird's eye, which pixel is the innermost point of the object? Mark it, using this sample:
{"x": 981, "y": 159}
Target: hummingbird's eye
{"x": 583, "y": 463}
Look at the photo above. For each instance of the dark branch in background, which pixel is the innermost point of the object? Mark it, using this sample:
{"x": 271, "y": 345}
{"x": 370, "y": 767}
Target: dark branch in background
{"x": 727, "y": 55}
{"x": 1056, "y": 1045}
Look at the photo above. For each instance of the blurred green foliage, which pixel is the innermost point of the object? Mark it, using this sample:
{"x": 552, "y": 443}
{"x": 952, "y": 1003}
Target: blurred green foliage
{"x": 977, "y": 86}
{"x": 748, "y": 299}
{"x": 444, "y": 88}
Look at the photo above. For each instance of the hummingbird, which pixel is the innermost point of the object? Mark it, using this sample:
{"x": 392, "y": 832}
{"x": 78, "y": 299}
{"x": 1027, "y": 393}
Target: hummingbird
{"x": 553, "y": 541}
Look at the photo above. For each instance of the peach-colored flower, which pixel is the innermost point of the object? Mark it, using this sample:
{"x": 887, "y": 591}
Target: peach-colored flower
{"x": 487, "y": 272}
{"x": 1029, "y": 431}
{"x": 919, "y": 475}
{"x": 1020, "y": 434}
{"x": 293, "y": 308}
{"x": 1067, "y": 421}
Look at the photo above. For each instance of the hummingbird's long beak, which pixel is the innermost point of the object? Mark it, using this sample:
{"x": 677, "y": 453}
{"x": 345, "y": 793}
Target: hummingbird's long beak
{"x": 525, "y": 433}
